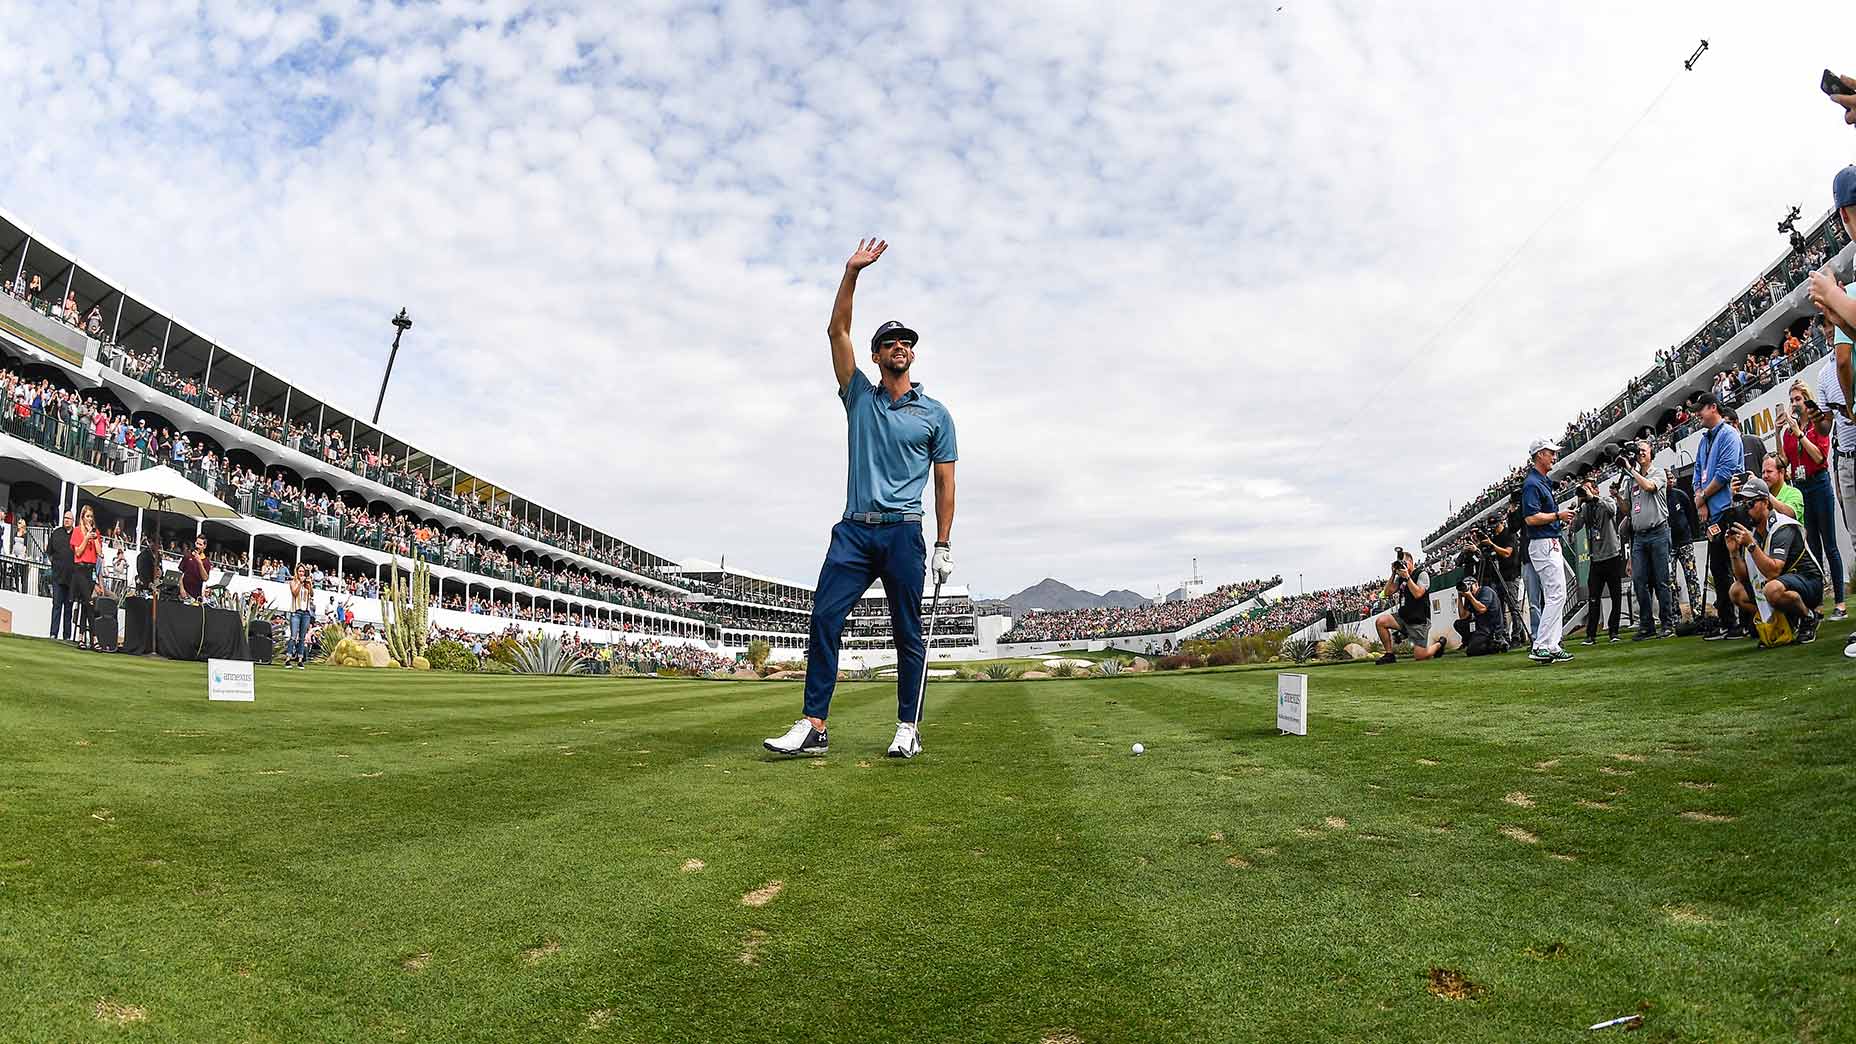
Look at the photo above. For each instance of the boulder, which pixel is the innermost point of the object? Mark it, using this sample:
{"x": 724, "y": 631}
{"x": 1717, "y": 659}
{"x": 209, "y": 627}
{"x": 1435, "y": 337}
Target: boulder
{"x": 745, "y": 674}
{"x": 1034, "y": 675}
{"x": 1357, "y": 651}
{"x": 420, "y": 663}
{"x": 1141, "y": 663}
{"x": 377, "y": 653}
{"x": 842, "y": 676}
{"x": 787, "y": 676}
{"x": 979, "y": 677}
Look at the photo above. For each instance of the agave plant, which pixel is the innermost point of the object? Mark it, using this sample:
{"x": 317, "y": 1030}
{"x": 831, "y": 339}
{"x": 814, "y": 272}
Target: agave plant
{"x": 1065, "y": 669}
{"x": 1300, "y": 650}
{"x": 1108, "y": 668}
{"x": 865, "y": 674}
{"x": 544, "y": 654}
{"x": 1000, "y": 671}
{"x": 1335, "y": 647}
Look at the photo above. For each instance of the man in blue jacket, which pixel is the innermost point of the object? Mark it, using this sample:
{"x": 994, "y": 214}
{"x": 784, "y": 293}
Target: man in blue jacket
{"x": 1718, "y": 459}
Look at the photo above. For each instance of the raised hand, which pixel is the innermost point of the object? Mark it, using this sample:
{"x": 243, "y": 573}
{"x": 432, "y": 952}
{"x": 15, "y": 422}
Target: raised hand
{"x": 1823, "y": 284}
{"x": 868, "y": 250}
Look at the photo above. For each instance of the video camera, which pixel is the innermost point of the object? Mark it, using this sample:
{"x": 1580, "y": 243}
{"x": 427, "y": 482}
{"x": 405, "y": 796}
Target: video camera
{"x": 1398, "y": 560}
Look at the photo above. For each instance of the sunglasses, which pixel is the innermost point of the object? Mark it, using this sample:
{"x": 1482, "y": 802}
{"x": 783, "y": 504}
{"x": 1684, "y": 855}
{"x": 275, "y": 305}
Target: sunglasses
{"x": 890, "y": 341}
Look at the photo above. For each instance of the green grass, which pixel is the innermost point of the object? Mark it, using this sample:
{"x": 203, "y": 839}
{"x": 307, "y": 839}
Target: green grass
{"x": 375, "y": 856}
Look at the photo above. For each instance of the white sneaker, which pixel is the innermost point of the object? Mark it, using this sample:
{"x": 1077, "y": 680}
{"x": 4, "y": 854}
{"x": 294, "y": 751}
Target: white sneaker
{"x": 908, "y": 741}
{"x": 802, "y": 738}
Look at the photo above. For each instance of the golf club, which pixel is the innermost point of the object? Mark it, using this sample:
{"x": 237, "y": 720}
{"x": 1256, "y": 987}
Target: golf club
{"x": 921, "y": 695}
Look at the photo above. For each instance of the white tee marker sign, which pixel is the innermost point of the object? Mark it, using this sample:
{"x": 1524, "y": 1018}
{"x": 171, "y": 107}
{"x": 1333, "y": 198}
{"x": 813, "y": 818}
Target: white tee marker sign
{"x": 1292, "y": 704}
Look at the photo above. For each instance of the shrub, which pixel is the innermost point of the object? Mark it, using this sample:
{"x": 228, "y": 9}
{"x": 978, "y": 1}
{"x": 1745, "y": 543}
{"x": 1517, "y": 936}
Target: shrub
{"x": 503, "y": 648}
{"x": 1108, "y": 668}
{"x": 670, "y": 672}
{"x": 864, "y": 674}
{"x": 622, "y": 670}
{"x": 329, "y": 637}
{"x": 758, "y": 651}
{"x": 963, "y": 674}
{"x": 1300, "y": 650}
{"x": 1066, "y": 669}
{"x": 544, "y": 653}
{"x": 495, "y": 667}
{"x": 451, "y": 656}
{"x": 1176, "y": 661}
{"x": 1334, "y": 647}
{"x": 1001, "y": 672}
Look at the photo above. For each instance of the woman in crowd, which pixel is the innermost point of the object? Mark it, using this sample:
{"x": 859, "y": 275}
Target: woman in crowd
{"x": 86, "y": 542}
{"x": 1804, "y": 442}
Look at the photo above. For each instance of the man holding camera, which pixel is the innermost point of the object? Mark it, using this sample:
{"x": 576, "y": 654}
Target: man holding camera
{"x": 1543, "y": 523}
{"x": 1479, "y": 622}
{"x": 1413, "y": 616}
{"x": 1598, "y": 516}
{"x": 1789, "y": 578}
{"x": 1718, "y": 458}
{"x": 1505, "y": 551}
{"x": 1648, "y": 510}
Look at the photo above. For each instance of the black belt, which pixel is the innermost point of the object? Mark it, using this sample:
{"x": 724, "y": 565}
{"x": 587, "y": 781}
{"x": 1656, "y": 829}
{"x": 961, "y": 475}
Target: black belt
{"x": 883, "y": 518}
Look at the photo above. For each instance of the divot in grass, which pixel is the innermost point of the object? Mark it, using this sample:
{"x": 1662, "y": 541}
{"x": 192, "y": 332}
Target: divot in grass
{"x": 1609, "y": 771}
{"x": 1515, "y": 833}
{"x": 598, "y": 1019}
{"x": 116, "y": 1013}
{"x": 1518, "y": 799}
{"x": 417, "y": 962}
{"x": 1427, "y": 761}
{"x": 1707, "y": 817}
{"x": 1061, "y": 1037}
{"x": 1596, "y": 806}
{"x": 750, "y": 948}
{"x": 693, "y": 866}
{"x": 1334, "y": 823}
{"x": 764, "y": 894}
{"x": 1451, "y": 984}
{"x": 1237, "y": 862}
{"x": 536, "y": 954}
{"x": 1687, "y": 916}
{"x": 1692, "y": 784}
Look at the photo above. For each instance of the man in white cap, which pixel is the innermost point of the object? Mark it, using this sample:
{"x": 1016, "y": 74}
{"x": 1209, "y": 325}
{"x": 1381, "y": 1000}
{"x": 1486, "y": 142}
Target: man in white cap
{"x": 1543, "y": 523}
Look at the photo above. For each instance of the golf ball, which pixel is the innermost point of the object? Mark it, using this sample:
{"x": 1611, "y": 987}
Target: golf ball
{"x": 1138, "y": 749}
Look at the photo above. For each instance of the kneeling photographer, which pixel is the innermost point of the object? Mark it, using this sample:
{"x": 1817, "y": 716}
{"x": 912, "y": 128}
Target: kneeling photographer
{"x": 1769, "y": 556}
{"x": 1479, "y": 620}
{"x": 1411, "y": 585}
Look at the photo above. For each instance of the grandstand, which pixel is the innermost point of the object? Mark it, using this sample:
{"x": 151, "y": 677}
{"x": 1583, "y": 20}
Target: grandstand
{"x": 99, "y": 381}
{"x": 1746, "y": 337}
{"x": 1155, "y": 627}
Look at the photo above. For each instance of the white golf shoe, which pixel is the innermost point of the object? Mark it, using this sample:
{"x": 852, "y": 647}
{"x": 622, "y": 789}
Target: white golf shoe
{"x": 908, "y": 741}
{"x": 802, "y": 738}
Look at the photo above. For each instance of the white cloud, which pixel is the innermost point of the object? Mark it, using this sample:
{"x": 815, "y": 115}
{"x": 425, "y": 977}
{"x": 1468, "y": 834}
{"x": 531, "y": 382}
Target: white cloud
{"x": 1166, "y": 259}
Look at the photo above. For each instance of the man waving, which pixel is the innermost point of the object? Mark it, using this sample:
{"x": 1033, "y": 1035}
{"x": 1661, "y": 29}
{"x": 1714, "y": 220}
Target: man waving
{"x": 896, "y": 435}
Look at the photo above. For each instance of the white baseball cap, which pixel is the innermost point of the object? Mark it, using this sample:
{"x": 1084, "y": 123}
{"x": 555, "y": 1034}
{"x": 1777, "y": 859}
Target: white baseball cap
{"x": 1541, "y": 444}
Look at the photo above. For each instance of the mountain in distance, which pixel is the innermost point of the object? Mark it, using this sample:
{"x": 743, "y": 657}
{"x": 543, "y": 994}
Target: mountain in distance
{"x": 1051, "y": 594}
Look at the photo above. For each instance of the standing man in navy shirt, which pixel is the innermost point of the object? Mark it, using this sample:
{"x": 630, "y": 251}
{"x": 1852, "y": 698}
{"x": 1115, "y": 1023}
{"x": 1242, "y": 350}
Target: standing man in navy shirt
{"x": 1719, "y": 457}
{"x": 1544, "y": 522}
{"x": 897, "y": 436}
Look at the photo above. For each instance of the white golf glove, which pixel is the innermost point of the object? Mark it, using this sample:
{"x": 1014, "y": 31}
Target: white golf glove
{"x": 943, "y": 564}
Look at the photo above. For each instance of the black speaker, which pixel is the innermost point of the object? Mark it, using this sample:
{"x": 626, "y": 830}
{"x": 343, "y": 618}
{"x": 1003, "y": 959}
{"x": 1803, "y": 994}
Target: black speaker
{"x": 259, "y": 647}
{"x": 103, "y": 624}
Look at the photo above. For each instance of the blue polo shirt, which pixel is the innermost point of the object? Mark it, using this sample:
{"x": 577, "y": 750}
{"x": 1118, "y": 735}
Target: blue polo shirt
{"x": 892, "y": 445}
{"x": 1720, "y": 455}
{"x": 1537, "y": 499}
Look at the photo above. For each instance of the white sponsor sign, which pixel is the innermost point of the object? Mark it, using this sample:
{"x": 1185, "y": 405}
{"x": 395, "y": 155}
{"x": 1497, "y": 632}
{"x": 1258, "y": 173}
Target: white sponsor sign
{"x": 231, "y": 680}
{"x": 1292, "y": 703}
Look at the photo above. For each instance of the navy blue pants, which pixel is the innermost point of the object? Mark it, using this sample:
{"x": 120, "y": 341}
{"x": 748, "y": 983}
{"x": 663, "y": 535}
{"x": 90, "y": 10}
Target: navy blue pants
{"x": 861, "y": 553}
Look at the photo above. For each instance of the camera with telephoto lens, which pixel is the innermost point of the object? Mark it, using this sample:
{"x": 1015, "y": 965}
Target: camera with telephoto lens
{"x": 1735, "y": 515}
{"x": 1398, "y": 560}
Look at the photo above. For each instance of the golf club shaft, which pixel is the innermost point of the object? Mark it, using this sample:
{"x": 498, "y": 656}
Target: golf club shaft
{"x": 921, "y": 692}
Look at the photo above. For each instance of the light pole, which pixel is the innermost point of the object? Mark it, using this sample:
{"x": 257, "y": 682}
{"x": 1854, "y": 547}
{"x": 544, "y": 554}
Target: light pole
{"x": 401, "y": 323}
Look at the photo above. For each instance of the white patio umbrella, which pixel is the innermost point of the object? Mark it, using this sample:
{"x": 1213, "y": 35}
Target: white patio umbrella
{"x": 158, "y": 488}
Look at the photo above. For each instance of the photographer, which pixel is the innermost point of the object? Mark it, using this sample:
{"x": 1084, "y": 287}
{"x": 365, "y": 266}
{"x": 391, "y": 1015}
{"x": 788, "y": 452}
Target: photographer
{"x": 1544, "y": 572}
{"x": 1411, "y": 585}
{"x": 1772, "y": 544}
{"x": 1684, "y": 530}
{"x": 1804, "y": 442}
{"x": 1479, "y": 620}
{"x": 1505, "y": 551}
{"x": 1598, "y": 516}
{"x": 1719, "y": 458}
{"x": 1645, "y": 504}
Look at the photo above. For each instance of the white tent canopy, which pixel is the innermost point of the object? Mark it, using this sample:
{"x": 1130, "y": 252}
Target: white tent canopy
{"x": 159, "y": 489}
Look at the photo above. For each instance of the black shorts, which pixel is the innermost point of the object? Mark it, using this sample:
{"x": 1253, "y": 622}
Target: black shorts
{"x": 1811, "y": 589}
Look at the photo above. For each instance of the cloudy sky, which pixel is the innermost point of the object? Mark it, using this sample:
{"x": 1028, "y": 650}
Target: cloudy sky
{"x": 1183, "y": 272}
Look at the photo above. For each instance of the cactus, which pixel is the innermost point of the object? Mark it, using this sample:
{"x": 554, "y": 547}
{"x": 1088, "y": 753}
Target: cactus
{"x": 402, "y": 614}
